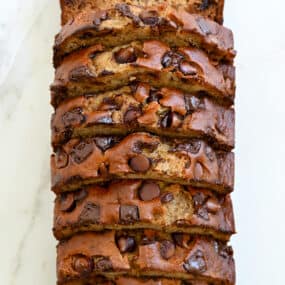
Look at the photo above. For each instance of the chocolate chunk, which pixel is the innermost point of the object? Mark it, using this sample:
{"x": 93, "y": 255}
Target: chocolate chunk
{"x": 131, "y": 115}
{"x": 125, "y": 55}
{"x": 167, "y": 249}
{"x": 166, "y": 121}
{"x": 80, "y": 73}
{"x": 126, "y": 244}
{"x": 102, "y": 263}
{"x": 149, "y": 17}
{"x": 104, "y": 142}
{"x": 213, "y": 206}
{"x": 67, "y": 203}
{"x": 73, "y": 117}
{"x": 61, "y": 159}
{"x": 187, "y": 69}
{"x": 199, "y": 199}
{"x": 196, "y": 263}
{"x": 154, "y": 96}
{"x": 203, "y": 213}
{"x": 90, "y": 213}
{"x": 192, "y": 147}
{"x": 149, "y": 191}
{"x": 80, "y": 194}
{"x": 226, "y": 251}
{"x": 129, "y": 214}
{"x": 125, "y": 10}
{"x": 82, "y": 150}
{"x": 166, "y": 197}
{"x": 192, "y": 103}
{"x": 140, "y": 163}
{"x": 171, "y": 58}
{"x": 82, "y": 264}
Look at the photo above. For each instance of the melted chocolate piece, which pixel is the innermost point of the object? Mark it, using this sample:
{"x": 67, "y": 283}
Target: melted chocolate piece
{"x": 82, "y": 264}
{"x": 73, "y": 117}
{"x": 167, "y": 249}
{"x": 81, "y": 151}
{"x": 140, "y": 163}
{"x": 129, "y": 214}
{"x": 125, "y": 55}
{"x": 196, "y": 263}
{"x": 126, "y": 244}
{"x": 149, "y": 191}
{"x": 90, "y": 213}
{"x": 149, "y": 17}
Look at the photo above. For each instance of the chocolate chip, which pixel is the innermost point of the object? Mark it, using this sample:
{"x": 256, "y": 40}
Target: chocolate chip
{"x": 166, "y": 197}
{"x": 80, "y": 73}
{"x": 90, "y": 213}
{"x": 104, "y": 142}
{"x": 213, "y": 206}
{"x": 67, "y": 203}
{"x": 171, "y": 58}
{"x": 140, "y": 163}
{"x": 82, "y": 264}
{"x": 126, "y": 244}
{"x": 80, "y": 195}
{"x": 131, "y": 115}
{"x": 102, "y": 263}
{"x": 81, "y": 151}
{"x": 196, "y": 263}
{"x": 149, "y": 191}
{"x": 129, "y": 214}
{"x": 149, "y": 17}
{"x": 187, "y": 69}
{"x": 125, "y": 55}
{"x": 61, "y": 159}
{"x": 167, "y": 249}
{"x": 73, "y": 117}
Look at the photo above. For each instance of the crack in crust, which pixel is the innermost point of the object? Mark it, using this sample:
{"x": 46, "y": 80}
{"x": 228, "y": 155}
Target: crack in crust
{"x": 178, "y": 256}
{"x": 141, "y": 156}
{"x": 140, "y": 107}
{"x": 212, "y": 9}
{"x": 126, "y": 23}
{"x": 189, "y": 69}
{"x": 186, "y": 209}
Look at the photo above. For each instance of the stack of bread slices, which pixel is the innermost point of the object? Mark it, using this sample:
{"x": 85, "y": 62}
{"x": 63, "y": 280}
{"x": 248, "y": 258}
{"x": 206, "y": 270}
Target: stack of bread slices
{"x": 142, "y": 134}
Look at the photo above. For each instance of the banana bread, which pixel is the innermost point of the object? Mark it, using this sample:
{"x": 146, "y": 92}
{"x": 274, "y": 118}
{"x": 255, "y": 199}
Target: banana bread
{"x": 146, "y": 253}
{"x": 140, "y": 107}
{"x": 136, "y": 204}
{"x": 126, "y": 23}
{"x": 141, "y": 156}
{"x": 189, "y": 69}
{"x": 212, "y": 9}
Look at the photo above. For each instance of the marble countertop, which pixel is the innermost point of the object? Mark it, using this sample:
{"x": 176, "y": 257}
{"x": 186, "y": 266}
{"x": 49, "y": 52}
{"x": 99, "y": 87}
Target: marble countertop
{"x": 27, "y": 29}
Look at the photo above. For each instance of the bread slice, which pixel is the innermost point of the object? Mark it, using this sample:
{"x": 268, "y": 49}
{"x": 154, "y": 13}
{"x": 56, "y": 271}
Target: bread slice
{"x": 149, "y": 204}
{"x": 132, "y": 281}
{"x": 140, "y": 107}
{"x": 189, "y": 69}
{"x": 145, "y": 254}
{"x": 126, "y": 23}
{"x": 212, "y": 9}
{"x": 141, "y": 156}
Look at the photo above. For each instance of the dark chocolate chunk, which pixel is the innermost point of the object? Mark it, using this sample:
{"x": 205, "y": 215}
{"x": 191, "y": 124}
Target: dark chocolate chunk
{"x": 67, "y": 202}
{"x": 73, "y": 117}
{"x": 166, "y": 121}
{"x": 149, "y": 191}
{"x": 102, "y": 263}
{"x": 196, "y": 263}
{"x": 192, "y": 103}
{"x": 140, "y": 163}
{"x": 82, "y": 264}
{"x": 166, "y": 197}
{"x": 126, "y": 244}
{"x": 82, "y": 150}
{"x": 226, "y": 251}
{"x": 199, "y": 199}
{"x": 191, "y": 146}
{"x": 167, "y": 249}
{"x": 90, "y": 213}
{"x": 125, "y": 55}
{"x": 61, "y": 159}
{"x": 125, "y": 10}
{"x": 187, "y": 69}
{"x": 171, "y": 58}
{"x": 129, "y": 214}
{"x": 104, "y": 142}
{"x": 149, "y": 17}
{"x": 181, "y": 239}
{"x": 80, "y": 73}
{"x": 203, "y": 213}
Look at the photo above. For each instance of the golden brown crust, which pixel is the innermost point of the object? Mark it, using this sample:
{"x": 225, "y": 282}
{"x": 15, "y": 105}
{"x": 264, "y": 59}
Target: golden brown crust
{"x": 93, "y": 71}
{"x": 126, "y": 23}
{"x": 140, "y": 107}
{"x": 160, "y": 206}
{"x": 146, "y": 253}
{"x": 141, "y": 156}
{"x": 211, "y": 9}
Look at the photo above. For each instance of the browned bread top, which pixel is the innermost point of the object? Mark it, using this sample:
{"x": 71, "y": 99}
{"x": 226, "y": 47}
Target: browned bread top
{"x": 189, "y": 69}
{"x": 135, "y": 204}
{"x": 141, "y": 156}
{"x": 126, "y": 23}
{"x": 140, "y": 107}
{"x": 212, "y": 9}
{"x": 146, "y": 253}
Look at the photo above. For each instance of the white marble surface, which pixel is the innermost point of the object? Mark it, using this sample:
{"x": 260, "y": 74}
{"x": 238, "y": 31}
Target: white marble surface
{"x": 26, "y": 243}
